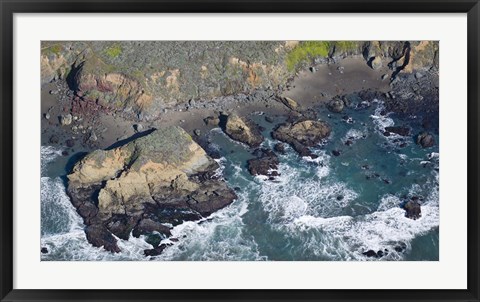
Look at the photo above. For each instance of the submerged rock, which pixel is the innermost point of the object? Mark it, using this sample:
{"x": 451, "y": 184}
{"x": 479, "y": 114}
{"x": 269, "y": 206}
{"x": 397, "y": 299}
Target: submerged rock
{"x": 376, "y": 62}
{"x": 241, "y": 129}
{"x": 302, "y": 134}
{"x": 159, "y": 175}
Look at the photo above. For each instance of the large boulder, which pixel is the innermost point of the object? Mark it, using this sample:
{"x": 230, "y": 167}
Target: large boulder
{"x": 265, "y": 164}
{"x": 302, "y": 134}
{"x": 413, "y": 210}
{"x": 153, "y": 176}
{"x": 241, "y": 129}
{"x": 336, "y": 105}
{"x": 425, "y": 140}
{"x": 290, "y": 103}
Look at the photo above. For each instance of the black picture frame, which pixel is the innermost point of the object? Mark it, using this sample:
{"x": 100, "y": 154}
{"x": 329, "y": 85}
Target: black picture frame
{"x": 9, "y": 8}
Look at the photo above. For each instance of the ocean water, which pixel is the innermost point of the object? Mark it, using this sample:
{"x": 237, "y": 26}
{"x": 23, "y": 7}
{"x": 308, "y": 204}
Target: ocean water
{"x": 326, "y": 209}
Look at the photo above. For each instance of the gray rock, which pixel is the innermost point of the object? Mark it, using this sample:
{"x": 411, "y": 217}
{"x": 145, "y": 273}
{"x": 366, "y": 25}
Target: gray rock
{"x": 384, "y": 77}
{"x": 93, "y": 136}
{"x": 313, "y": 69}
{"x": 138, "y": 127}
{"x": 211, "y": 121}
{"x": 376, "y": 63}
{"x": 47, "y": 116}
{"x": 197, "y": 132}
{"x": 66, "y": 119}
{"x": 425, "y": 140}
{"x": 418, "y": 75}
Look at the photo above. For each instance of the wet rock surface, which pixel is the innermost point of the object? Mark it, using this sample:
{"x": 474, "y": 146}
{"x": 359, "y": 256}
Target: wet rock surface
{"x": 302, "y": 134}
{"x": 265, "y": 164}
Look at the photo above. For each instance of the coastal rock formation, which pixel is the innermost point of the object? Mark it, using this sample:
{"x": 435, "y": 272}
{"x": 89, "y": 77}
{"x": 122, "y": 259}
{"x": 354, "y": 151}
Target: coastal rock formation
{"x": 425, "y": 140}
{"x": 413, "y": 210}
{"x": 402, "y": 131}
{"x": 373, "y": 254}
{"x": 290, "y": 103}
{"x": 241, "y": 129}
{"x": 265, "y": 164}
{"x": 143, "y": 78}
{"x": 376, "y": 63}
{"x": 336, "y": 105}
{"x": 302, "y": 134}
{"x": 163, "y": 177}
{"x": 280, "y": 148}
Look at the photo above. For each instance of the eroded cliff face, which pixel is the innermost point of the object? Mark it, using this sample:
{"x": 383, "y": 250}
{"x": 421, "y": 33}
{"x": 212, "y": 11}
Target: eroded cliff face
{"x": 164, "y": 177}
{"x": 143, "y": 78}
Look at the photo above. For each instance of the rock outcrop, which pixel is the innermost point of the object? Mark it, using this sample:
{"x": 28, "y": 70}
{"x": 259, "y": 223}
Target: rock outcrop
{"x": 266, "y": 163}
{"x": 117, "y": 76}
{"x": 402, "y": 131}
{"x": 425, "y": 140}
{"x": 163, "y": 177}
{"x": 241, "y": 129}
{"x": 302, "y": 134}
{"x": 413, "y": 210}
{"x": 290, "y": 103}
{"x": 145, "y": 77}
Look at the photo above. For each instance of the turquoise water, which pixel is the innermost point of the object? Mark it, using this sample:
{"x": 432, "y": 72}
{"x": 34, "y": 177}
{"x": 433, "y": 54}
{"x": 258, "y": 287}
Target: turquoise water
{"x": 327, "y": 209}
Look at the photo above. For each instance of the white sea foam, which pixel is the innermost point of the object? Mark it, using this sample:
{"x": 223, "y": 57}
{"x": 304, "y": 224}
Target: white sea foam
{"x": 294, "y": 195}
{"x": 221, "y": 238}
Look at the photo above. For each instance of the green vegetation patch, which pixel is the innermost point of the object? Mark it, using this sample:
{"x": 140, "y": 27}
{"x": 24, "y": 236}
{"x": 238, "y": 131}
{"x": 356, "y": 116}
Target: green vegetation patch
{"x": 113, "y": 51}
{"x": 306, "y": 51}
{"x": 346, "y": 46}
{"x": 55, "y": 49}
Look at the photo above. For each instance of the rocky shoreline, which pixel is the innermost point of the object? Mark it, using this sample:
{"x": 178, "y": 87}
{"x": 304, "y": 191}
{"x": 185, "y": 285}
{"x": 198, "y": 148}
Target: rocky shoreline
{"x": 147, "y": 167}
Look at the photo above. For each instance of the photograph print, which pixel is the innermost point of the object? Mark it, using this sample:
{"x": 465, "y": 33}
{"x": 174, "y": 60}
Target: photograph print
{"x": 239, "y": 151}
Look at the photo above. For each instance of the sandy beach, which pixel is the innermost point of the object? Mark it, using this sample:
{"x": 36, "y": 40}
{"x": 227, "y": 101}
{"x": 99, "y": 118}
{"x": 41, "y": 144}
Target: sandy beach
{"x": 307, "y": 88}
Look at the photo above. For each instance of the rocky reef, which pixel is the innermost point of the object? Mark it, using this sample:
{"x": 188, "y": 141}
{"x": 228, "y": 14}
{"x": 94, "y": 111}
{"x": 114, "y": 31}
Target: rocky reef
{"x": 144, "y": 186}
{"x": 107, "y": 93}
